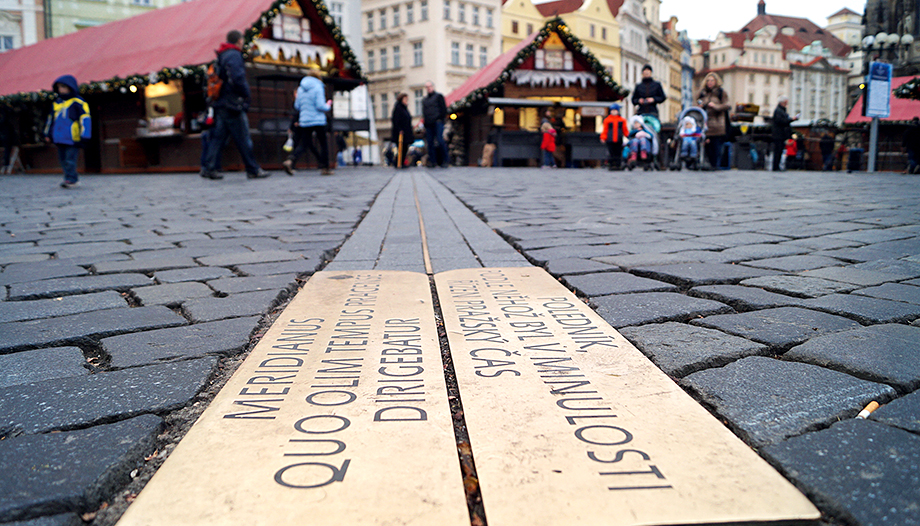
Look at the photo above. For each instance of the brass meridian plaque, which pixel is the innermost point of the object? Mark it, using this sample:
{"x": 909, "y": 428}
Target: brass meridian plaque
{"x": 338, "y": 416}
{"x": 570, "y": 424}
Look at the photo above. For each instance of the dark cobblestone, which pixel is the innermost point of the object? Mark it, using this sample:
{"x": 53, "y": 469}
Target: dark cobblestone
{"x": 805, "y": 287}
{"x": 144, "y": 264}
{"x": 623, "y": 310}
{"x": 779, "y": 328}
{"x": 51, "y": 288}
{"x": 63, "y": 306}
{"x": 233, "y": 306}
{"x": 192, "y": 274}
{"x": 696, "y": 274}
{"x": 41, "y": 364}
{"x": 601, "y": 284}
{"x": 252, "y": 283}
{"x": 903, "y": 413}
{"x": 864, "y": 309}
{"x": 894, "y": 292}
{"x": 743, "y": 298}
{"x": 172, "y": 293}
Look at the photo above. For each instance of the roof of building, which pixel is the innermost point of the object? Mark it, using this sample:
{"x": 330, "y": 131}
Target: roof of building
{"x": 144, "y": 44}
{"x": 902, "y": 110}
{"x": 559, "y": 7}
{"x": 615, "y": 6}
{"x": 488, "y": 74}
{"x": 845, "y": 11}
{"x": 806, "y": 32}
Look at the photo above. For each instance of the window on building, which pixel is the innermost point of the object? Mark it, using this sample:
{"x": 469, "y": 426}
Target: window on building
{"x": 370, "y": 21}
{"x": 751, "y": 98}
{"x": 461, "y": 13}
{"x": 423, "y": 10}
{"x": 140, "y": 2}
{"x": 384, "y": 60}
{"x": 591, "y": 31}
{"x": 373, "y": 106}
{"x": 384, "y": 105}
{"x": 772, "y": 57}
{"x": 419, "y": 95}
{"x": 752, "y": 78}
{"x": 529, "y": 29}
{"x": 455, "y": 53}
{"x": 469, "y": 55}
{"x": 383, "y": 19}
{"x": 514, "y": 27}
{"x": 766, "y": 100}
{"x": 336, "y": 9}
{"x": 603, "y": 33}
{"x": 397, "y": 57}
{"x": 489, "y": 18}
{"x": 6, "y": 42}
{"x": 483, "y": 56}
{"x": 370, "y": 62}
{"x": 395, "y": 16}
{"x": 446, "y": 9}
{"x": 782, "y": 81}
{"x": 417, "y": 54}
{"x": 410, "y": 13}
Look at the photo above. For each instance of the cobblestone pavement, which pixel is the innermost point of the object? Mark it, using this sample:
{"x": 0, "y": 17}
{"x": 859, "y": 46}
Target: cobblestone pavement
{"x": 784, "y": 302}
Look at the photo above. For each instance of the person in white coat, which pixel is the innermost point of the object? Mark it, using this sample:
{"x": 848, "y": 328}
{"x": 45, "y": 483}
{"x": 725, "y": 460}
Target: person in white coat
{"x": 311, "y": 105}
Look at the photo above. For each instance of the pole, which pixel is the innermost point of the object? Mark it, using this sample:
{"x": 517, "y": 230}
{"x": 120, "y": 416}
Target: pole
{"x": 873, "y": 144}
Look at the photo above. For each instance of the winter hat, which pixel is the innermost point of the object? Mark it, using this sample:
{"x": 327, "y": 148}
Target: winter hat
{"x": 688, "y": 119}
{"x": 615, "y": 106}
{"x": 634, "y": 119}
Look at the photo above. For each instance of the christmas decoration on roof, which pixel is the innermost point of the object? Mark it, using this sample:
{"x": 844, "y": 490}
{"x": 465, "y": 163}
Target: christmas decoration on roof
{"x": 554, "y": 29}
{"x": 909, "y": 90}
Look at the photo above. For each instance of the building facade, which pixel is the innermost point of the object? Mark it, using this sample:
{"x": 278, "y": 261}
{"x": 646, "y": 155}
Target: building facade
{"x": 900, "y": 17}
{"x": 409, "y": 42}
{"x": 21, "y": 23}
{"x": 66, "y": 16}
{"x": 634, "y": 44}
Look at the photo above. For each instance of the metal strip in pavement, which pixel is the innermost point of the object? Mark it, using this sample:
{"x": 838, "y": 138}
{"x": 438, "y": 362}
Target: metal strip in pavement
{"x": 571, "y": 424}
{"x": 338, "y": 416}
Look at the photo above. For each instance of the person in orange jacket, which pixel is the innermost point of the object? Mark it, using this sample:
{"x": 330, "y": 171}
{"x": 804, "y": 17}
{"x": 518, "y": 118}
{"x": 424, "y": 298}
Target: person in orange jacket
{"x": 612, "y": 135}
{"x": 548, "y": 146}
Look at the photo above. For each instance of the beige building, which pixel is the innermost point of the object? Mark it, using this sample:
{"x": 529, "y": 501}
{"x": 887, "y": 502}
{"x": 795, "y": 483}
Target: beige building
{"x": 409, "y": 42}
{"x": 21, "y": 23}
{"x": 66, "y": 16}
{"x": 847, "y": 26}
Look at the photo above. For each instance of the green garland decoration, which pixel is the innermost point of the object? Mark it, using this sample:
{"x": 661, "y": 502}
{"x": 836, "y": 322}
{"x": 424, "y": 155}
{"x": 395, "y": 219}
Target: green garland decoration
{"x": 909, "y": 90}
{"x": 555, "y": 25}
{"x": 197, "y": 72}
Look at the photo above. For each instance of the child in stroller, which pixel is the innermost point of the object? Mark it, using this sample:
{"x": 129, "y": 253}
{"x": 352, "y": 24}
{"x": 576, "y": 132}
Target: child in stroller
{"x": 688, "y": 140}
{"x": 640, "y": 143}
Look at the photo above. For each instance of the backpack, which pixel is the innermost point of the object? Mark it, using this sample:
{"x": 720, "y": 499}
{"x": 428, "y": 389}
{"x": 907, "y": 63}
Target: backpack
{"x": 215, "y": 82}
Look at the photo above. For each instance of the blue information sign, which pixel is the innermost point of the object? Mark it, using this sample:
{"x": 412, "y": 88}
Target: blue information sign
{"x": 878, "y": 95}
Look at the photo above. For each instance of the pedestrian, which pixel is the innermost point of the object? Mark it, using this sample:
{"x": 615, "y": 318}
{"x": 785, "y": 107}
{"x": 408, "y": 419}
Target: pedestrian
{"x": 401, "y": 131}
{"x": 782, "y": 130}
{"x": 340, "y": 147}
{"x": 311, "y": 105}
{"x": 68, "y": 126}
{"x": 912, "y": 145}
{"x": 613, "y": 133}
{"x": 790, "y": 152}
{"x": 548, "y": 146}
{"x": 7, "y": 135}
{"x": 827, "y": 150}
{"x": 434, "y": 113}
{"x": 648, "y": 94}
{"x": 230, "y": 110}
{"x": 714, "y": 99}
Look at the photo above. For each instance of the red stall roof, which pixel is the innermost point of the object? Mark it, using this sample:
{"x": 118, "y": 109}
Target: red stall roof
{"x": 901, "y": 109}
{"x": 182, "y": 35}
{"x": 488, "y": 74}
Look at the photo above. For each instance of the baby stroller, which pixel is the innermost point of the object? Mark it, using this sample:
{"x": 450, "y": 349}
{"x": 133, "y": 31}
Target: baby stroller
{"x": 651, "y": 125}
{"x": 696, "y": 162}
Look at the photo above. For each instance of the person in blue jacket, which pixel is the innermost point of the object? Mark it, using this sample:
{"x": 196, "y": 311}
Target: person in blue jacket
{"x": 68, "y": 126}
{"x": 311, "y": 105}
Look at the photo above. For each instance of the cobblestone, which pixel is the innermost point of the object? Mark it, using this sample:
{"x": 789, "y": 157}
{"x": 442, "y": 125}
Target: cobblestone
{"x": 779, "y": 328}
{"x": 63, "y": 306}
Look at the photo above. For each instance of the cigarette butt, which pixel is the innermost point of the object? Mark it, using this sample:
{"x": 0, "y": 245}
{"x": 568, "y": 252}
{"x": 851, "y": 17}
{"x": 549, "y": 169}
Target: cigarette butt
{"x": 873, "y": 405}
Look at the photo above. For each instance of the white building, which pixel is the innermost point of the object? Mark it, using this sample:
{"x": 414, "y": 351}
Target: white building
{"x": 634, "y": 45}
{"x": 847, "y": 26}
{"x": 21, "y": 23}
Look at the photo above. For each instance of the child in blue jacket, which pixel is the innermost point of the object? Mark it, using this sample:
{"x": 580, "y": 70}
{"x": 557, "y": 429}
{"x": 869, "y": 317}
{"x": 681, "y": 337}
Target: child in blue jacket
{"x": 68, "y": 126}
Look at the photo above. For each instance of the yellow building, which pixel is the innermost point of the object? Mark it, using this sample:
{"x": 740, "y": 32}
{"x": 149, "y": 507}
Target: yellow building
{"x": 592, "y": 21}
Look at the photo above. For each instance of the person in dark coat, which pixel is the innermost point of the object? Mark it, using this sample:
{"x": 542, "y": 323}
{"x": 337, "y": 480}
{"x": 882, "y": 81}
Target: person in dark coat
{"x": 782, "y": 130}
{"x": 434, "y": 113}
{"x": 912, "y": 145}
{"x": 230, "y": 110}
{"x": 648, "y": 94}
{"x": 827, "y": 150}
{"x": 402, "y": 125}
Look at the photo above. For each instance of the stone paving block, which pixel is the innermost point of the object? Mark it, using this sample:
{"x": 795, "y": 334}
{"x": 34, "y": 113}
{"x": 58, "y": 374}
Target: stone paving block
{"x": 80, "y": 401}
{"x": 887, "y": 354}
{"x": 680, "y": 349}
{"x": 242, "y": 258}
{"x": 801, "y": 286}
{"x": 794, "y": 263}
{"x": 753, "y": 252}
{"x": 604, "y": 283}
{"x": 144, "y": 264}
{"x": 622, "y": 310}
{"x": 172, "y": 293}
{"x": 903, "y": 413}
{"x": 664, "y": 247}
{"x": 820, "y": 243}
{"x": 25, "y": 272}
{"x": 862, "y": 471}
{"x": 696, "y": 274}
{"x": 573, "y": 251}
{"x": 769, "y": 400}
{"x": 299, "y": 266}
{"x": 72, "y": 471}
{"x": 63, "y": 306}
{"x": 779, "y": 328}
{"x": 874, "y": 235}
{"x": 7, "y": 258}
{"x": 862, "y": 278}
{"x": 741, "y": 238}
{"x": 191, "y": 341}
{"x": 902, "y": 267}
{"x": 192, "y": 274}
{"x": 865, "y": 309}
{"x": 51, "y": 288}
{"x": 631, "y": 261}
{"x": 22, "y": 335}
{"x": 73, "y": 250}
{"x": 62, "y": 519}
{"x": 233, "y": 306}
{"x": 743, "y": 298}
{"x": 253, "y": 283}
{"x": 894, "y": 292}
{"x": 41, "y": 364}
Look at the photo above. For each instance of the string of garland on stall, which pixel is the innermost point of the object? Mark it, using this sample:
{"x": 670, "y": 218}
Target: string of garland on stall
{"x": 198, "y": 72}
{"x": 909, "y": 90}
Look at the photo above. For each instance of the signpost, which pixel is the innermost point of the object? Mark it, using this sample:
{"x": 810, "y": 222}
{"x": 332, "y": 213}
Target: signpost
{"x": 877, "y": 103}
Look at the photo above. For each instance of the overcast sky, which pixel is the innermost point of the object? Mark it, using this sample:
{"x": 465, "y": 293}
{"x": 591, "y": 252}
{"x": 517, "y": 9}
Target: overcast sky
{"x": 705, "y": 18}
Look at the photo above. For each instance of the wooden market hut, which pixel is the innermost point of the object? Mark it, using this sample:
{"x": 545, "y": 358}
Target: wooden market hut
{"x": 905, "y": 105}
{"x": 507, "y": 99}
{"x": 144, "y": 77}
